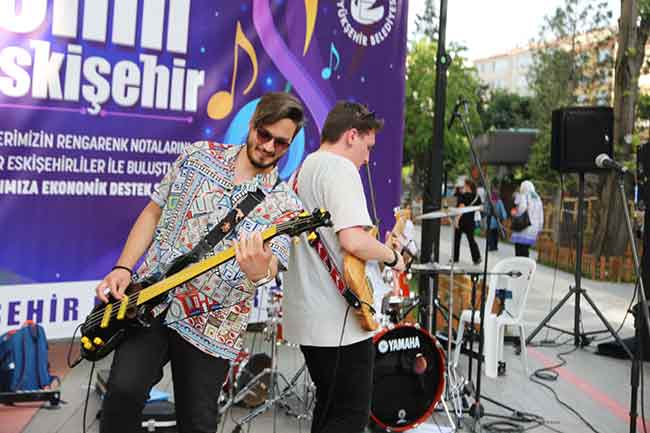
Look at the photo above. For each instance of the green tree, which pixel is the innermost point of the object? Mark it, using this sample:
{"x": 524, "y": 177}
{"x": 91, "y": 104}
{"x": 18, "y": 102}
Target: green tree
{"x": 506, "y": 110}
{"x": 571, "y": 66}
{"x": 426, "y": 23}
{"x": 634, "y": 28}
{"x": 461, "y": 81}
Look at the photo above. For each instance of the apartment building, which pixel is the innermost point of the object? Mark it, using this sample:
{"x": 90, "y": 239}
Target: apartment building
{"x": 507, "y": 71}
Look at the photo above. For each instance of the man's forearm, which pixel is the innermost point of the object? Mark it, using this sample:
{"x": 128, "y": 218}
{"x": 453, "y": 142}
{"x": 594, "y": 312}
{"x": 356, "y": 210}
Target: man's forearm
{"x": 364, "y": 246}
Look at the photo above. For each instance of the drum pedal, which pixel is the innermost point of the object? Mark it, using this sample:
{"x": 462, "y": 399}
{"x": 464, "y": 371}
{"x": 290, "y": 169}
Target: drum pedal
{"x": 468, "y": 388}
{"x": 501, "y": 369}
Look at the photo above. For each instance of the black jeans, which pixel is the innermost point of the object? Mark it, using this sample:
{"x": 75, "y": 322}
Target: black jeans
{"x": 473, "y": 246}
{"x": 522, "y": 250}
{"x": 138, "y": 365}
{"x": 343, "y": 389}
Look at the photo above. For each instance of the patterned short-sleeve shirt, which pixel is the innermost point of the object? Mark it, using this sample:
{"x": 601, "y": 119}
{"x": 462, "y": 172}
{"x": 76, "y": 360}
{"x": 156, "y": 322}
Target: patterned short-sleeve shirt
{"x": 197, "y": 193}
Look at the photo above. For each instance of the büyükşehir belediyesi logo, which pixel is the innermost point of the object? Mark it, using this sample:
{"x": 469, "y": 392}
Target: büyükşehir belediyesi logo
{"x": 367, "y": 22}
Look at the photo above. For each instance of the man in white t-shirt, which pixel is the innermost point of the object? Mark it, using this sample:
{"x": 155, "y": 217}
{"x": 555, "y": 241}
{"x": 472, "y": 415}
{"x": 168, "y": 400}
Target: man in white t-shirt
{"x": 339, "y": 353}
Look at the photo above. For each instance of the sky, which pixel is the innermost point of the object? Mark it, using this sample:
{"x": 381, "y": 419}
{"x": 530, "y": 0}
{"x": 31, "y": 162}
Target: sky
{"x": 490, "y": 27}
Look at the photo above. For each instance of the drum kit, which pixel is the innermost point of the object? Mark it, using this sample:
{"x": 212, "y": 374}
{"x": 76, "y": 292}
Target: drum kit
{"x": 413, "y": 373}
{"x": 256, "y": 382}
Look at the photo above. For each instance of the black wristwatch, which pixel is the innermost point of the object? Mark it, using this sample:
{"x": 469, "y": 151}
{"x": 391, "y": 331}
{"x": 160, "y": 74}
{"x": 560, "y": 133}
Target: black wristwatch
{"x": 395, "y": 259}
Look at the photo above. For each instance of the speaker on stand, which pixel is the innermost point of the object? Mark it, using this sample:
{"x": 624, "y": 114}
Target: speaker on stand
{"x": 579, "y": 135}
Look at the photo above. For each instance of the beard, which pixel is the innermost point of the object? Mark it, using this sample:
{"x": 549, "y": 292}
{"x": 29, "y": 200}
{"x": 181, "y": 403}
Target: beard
{"x": 250, "y": 152}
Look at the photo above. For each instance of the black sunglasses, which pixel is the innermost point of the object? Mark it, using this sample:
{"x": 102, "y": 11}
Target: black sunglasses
{"x": 264, "y": 136}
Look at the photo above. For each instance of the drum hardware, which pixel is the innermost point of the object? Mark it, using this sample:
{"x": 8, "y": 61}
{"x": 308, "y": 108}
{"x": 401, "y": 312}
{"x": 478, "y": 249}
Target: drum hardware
{"x": 397, "y": 308}
{"x": 456, "y": 384}
{"x": 260, "y": 384}
{"x": 458, "y": 387}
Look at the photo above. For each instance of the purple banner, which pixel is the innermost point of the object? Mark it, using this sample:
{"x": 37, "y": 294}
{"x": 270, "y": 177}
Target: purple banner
{"x": 97, "y": 98}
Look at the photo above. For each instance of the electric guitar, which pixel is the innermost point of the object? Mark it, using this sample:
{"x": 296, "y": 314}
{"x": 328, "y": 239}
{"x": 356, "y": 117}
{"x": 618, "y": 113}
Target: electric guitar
{"x": 105, "y": 327}
{"x": 364, "y": 279}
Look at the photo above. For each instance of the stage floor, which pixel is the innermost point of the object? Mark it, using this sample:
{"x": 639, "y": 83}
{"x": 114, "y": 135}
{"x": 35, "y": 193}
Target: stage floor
{"x": 597, "y": 387}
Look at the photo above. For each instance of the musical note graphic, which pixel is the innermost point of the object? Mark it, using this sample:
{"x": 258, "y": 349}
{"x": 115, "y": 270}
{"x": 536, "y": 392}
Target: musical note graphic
{"x": 326, "y": 73}
{"x": 221, "y": 103}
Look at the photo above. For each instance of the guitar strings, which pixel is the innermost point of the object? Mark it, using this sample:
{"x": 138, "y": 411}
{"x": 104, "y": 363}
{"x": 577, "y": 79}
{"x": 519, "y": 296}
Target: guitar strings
{"x": 96, "y": 318}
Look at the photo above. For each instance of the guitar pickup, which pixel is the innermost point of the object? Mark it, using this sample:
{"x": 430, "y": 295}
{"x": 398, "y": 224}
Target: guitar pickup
{"x": 108, "y": 310}
{"x": 124, "y": 303}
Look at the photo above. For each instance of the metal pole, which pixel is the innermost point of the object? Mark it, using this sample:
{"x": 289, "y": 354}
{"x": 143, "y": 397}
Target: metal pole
{"x": 578, "y": 275}
{"x": 432, "y": 190}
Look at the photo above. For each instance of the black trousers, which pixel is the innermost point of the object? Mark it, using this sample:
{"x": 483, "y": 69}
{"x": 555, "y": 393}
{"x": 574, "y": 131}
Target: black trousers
{"x": 473, "y": 246}
{"x": 522, "y": 250}
{"x": 138, "y": 365}
{"x": 343, "y": 388}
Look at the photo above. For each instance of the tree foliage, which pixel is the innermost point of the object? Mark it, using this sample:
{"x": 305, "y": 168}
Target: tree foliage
{"x": 634, "y": 28}
{"x": 426, "y": 23}
{"x": 571, "y": 66}
{"x": 505, "y": 110}
{"x": 420, "y": 97}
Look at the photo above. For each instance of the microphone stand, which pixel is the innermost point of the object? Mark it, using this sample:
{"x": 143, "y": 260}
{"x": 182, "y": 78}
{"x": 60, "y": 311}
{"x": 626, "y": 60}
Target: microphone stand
{"x": 643, "y": 305}
{"x": 476, "y": 410}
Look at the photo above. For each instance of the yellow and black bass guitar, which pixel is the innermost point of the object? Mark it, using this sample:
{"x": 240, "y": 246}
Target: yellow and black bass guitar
{"x": 105, "y": 327}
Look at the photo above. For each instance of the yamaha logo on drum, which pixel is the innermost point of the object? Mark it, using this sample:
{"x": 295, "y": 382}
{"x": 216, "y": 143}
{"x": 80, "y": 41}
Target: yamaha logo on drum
{"x": 398, "y": 344}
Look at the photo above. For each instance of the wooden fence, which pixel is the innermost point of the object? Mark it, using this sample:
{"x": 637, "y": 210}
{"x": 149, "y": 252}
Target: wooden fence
{"x": 550, "y": 253}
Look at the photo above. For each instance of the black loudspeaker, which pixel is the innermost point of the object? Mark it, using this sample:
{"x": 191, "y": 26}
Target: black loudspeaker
{"x": 579, "y": 135}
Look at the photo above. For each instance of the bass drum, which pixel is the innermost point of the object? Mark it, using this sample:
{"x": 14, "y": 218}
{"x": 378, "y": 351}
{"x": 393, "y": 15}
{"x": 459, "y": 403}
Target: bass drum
{"x": 408, "y": 378}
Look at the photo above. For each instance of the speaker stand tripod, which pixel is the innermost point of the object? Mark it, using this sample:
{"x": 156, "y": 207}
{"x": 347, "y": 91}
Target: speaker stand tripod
{"x": 579, "y": 338}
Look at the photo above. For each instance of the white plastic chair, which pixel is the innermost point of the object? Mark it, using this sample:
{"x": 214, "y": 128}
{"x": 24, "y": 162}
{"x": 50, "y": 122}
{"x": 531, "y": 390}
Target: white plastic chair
{"x": 513, "y": 311}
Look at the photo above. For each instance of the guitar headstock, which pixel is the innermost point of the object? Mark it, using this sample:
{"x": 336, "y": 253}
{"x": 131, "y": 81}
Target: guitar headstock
{"x": 305, "y": 222}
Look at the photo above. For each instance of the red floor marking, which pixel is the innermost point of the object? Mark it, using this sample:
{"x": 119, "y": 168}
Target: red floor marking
{"x": 612, "y": 405}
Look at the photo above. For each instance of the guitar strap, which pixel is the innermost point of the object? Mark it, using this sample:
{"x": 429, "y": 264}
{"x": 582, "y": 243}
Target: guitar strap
{"x": 323, "y": 254}
{"x": 219, "y": 231}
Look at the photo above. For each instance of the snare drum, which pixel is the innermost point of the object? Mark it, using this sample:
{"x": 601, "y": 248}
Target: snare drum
{"x": 408, "y": 377}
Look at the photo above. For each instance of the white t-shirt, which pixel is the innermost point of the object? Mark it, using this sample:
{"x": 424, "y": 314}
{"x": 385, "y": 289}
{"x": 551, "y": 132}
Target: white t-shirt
{"x": 313, "y": 309}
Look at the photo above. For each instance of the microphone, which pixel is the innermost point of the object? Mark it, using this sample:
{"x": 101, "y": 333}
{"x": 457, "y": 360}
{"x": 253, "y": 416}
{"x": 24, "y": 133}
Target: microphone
{"x": 460, "y": 101}
{"x": 605, "y": 161}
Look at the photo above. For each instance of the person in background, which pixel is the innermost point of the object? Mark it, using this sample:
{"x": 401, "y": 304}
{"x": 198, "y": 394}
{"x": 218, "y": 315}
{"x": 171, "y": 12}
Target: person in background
{"x": 493, "y": 226}
{"x": 528, "y": 201}
{"x": 465, "y": 223}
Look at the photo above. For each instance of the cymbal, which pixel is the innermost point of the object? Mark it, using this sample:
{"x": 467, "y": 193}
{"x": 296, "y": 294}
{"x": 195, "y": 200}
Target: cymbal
{"x": 435, "y": 268}
{"x": 449, "y": 212}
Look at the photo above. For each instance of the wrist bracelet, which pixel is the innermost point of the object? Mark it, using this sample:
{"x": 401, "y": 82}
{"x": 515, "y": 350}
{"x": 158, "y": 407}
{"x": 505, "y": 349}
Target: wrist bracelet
{"x": 395, "y": 259}
{"x": 122, "y": 267}
{"x": 268, "y": 277}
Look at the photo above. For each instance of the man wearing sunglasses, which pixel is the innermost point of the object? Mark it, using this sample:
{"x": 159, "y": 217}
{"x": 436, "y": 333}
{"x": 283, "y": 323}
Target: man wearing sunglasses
{"x": 339, "y": 353}
{"x": 198, "y": 327}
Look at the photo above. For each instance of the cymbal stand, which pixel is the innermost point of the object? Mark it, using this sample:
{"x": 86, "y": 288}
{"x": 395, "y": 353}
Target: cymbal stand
{"x": 454, "y": 383}
{"x": 277, "y": 395}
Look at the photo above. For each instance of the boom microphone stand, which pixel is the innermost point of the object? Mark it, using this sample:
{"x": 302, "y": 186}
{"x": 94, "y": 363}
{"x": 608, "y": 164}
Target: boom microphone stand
{"x": 476, "y": 410}
{"x": 643, "y": 304}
